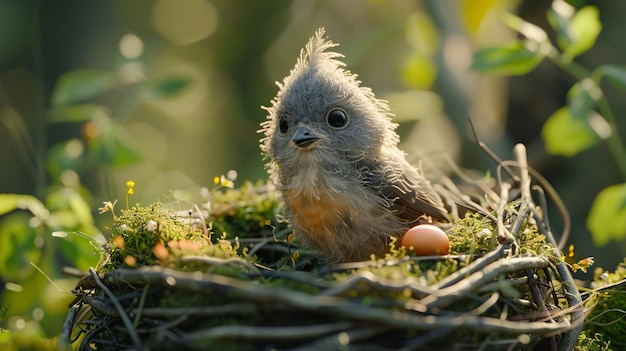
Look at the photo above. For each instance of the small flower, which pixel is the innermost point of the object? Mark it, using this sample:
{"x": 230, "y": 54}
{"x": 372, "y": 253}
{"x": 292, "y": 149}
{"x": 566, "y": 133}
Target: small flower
{"x": 107, "y": 206}
{"x": 130, "y": 184}
{"x": 223, "y": 181}
{"x": 123, "y": 227}
{"x": 151, "y": 226}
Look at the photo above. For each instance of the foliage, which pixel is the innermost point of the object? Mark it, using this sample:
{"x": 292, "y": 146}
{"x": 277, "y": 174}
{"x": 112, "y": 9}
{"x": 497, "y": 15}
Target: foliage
{"x": 34, "y": 229}
{"x": 587, "y": 117}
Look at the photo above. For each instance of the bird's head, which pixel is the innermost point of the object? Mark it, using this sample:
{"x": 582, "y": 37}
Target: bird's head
{"x": 321, "y": 114}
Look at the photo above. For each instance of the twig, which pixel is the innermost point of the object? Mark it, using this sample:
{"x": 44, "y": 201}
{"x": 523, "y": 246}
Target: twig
{"x": 346, "y": 338}
{"x": 446, "y": 296}
{"x": 490, "y": 153}
{"x": 66, "y": 331}
{"x": 411, "y": 283}
{"x": 279, "y": 333}
{"x": 473, "y": 267}
{"x": 125, "y": 319}
{"x": 218, "y": 310}
{"x": 504, "y": 236}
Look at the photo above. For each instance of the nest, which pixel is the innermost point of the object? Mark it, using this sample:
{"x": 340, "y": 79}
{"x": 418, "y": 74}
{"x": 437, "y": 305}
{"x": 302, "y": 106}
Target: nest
{"x": 503, "y": 286}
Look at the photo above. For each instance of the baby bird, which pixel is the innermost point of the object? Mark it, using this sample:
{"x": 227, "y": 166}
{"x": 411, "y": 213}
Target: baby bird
{"x": 346, "y": 186}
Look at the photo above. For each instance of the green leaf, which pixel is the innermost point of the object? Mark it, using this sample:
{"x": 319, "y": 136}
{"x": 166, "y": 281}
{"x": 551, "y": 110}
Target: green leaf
{"x": 171, "y": 86}
{"x": 576, "y": 31}
{"x": 513, "y": 58}
{"x": 76, "y": 113}
{"x": 17, "y": 247}
{"x": 82, "y": 84}
{"x": 607, "y": 217}
{"x": 582, "y": 97}
{"x": 69, "y": 208}
{"x": 65, "y": 155}
{"x": 79, "y": 250}
{"x": 583, "y": 31}
{"x": 560, "y": 16}
{"x": 10, "y": 202}
{"x": 567, "y": 136}
{"x": 615, "y": 73}
{"x": 113, "y": 146}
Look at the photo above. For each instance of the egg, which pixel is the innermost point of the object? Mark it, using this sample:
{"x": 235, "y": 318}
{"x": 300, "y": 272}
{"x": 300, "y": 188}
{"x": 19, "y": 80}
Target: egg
{"x": 426, "y": 240}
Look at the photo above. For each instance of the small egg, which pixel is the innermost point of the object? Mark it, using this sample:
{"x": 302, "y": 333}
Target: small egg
{"x": 426, "y": 240}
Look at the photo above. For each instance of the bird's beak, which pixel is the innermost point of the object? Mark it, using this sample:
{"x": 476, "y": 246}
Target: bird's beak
{"x": 303, "y": 137}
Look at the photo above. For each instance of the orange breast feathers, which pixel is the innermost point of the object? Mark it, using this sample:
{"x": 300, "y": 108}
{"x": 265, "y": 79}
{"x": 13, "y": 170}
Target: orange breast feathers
{"x": 319, "y": 215}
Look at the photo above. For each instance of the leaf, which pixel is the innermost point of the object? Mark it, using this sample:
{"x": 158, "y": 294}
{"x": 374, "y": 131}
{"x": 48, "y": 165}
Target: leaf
{"x": 10, "y": 202}
{"x": 581, "y": 98}
{"x": 559, "y": 16}
{"x": 576, "y": 31}
{"x": 76, "y": 113}
{"x": 69, "y": 208}
{"x": 567, "y": 136}
{"x": 607, "y": 217}
{"x": 17, "y": 247}
{"x": 171, "y": 86}
{"x": 583, "y": 31}
{"x": 82, "y": 84}
{"x": 113, "y": 146}
{"x": 65, "y": 155}
{"x": 615, "y": 73}
{"x": 513, "y": 58}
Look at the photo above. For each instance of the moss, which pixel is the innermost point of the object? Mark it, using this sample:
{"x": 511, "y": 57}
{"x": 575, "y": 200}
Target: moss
{"x": 608, "y": 317}
{"x": 251, "y": 211}
{"x": 588, "y": 341}
{"x": 151, "y": 235}
{"x": 473, "y": 234}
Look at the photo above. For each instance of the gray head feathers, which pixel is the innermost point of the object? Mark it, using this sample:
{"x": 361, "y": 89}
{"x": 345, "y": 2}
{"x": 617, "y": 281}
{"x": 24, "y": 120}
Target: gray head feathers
{"x": 319, "y": 82}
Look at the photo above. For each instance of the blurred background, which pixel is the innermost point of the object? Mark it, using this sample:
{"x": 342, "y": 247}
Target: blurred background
{"x": 168, "y": 94}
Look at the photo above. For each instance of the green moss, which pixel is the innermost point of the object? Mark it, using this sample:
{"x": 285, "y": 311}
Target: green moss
{"x": 149, "y": 235}
{"x": 473, "y": 234}
{"x": 592, "y": 342}
{"x": 608, "y": 316}
{"x": 250, "y": 211}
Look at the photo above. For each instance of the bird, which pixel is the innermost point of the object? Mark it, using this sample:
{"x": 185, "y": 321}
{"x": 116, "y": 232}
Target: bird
{"x": 333, "y": 156}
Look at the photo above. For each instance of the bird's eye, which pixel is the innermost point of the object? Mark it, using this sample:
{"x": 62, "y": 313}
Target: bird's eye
{"x": 283, "y": 124}
{"x": 337, "y": 118}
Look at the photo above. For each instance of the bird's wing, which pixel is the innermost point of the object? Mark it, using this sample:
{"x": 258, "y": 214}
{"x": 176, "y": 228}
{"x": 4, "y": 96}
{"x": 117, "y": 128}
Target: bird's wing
{"x": 409, "y": 196}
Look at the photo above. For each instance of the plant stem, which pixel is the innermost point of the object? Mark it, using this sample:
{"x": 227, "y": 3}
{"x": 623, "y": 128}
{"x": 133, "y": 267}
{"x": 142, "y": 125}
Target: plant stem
{"x": 571, "y": 67}
{"x": 615, "y": 142}
{"x": 616, "y": 145}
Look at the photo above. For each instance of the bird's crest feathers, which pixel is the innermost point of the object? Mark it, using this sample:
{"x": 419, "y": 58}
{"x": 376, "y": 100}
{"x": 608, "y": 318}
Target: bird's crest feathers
{"x": 315, "y": 52}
